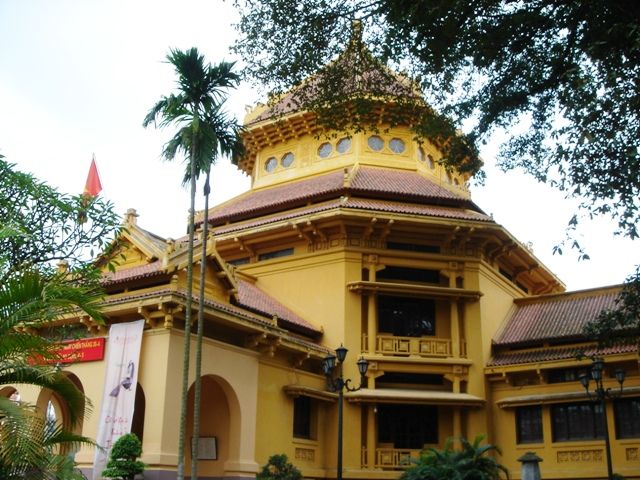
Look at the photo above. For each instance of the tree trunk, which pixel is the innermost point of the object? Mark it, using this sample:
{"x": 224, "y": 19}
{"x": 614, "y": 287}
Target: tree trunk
{"x": 197, "y": 386}
{"x": 187, "y": 321}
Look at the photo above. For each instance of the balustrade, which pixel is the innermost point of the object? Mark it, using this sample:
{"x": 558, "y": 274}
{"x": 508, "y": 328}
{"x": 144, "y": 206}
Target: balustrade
{"x": 391, "y": 458}
{"x": 413, "y": 346}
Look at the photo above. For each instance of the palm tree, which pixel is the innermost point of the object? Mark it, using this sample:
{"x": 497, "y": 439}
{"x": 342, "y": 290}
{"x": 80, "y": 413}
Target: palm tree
{"x": 471, "y": 462}
{"x": 28, "y": 444}
{"x": 222, "y": 139}
{"x": 201, "y": 88}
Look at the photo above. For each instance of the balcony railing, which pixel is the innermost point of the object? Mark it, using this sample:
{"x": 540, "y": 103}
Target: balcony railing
{"x": 391, "y": 458}
{"x": 413, "y": 346}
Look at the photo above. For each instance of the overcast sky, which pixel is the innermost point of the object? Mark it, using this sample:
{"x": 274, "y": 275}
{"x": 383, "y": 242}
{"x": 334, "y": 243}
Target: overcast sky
{"x": 78, "y": 77}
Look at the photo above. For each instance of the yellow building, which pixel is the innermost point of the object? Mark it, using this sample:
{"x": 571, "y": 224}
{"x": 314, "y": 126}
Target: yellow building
{"x": 363, "y": 241}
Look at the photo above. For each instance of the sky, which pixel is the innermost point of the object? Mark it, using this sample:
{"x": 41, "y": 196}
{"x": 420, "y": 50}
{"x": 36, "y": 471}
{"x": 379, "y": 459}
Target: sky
{"x": 78, "y": 77}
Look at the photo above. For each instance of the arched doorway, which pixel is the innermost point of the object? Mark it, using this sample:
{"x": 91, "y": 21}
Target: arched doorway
{"x": 56, "y": 412}
{"x": 219, "y": 427}
{"x": 137, "y": 423}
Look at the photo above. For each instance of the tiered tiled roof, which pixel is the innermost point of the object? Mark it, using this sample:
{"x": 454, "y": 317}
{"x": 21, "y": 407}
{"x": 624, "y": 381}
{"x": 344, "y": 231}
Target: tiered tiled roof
{"x": 556, "y": 354}
{"x": 355, "y": 72}
{"x": 240, "y": 312}
{"x": 133, "y": 273}
{"x": 253, "y": 298}
{"x": 367, "y": 182}
{"x": 360, "y": 204}
{"x": 560, "y": 317}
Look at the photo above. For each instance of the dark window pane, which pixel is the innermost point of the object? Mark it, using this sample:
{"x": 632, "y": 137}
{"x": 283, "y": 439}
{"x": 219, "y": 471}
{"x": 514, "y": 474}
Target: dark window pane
{"x": 560, "y": 375}
{"x": 577, "y": 421}
{"x": 302, "y": 417}
{"x": 529, "y": 424}
{"x": 409, "y": 274}
{"x": 415, "y": 379}
{"x": 407, "y": 426}
{"x": 406, "y": 317}
{"x": 239, "y": 261}
{"x": 627, "y": 414}
{"x": 412, "y": 247}
{"x": 276, "y": 254}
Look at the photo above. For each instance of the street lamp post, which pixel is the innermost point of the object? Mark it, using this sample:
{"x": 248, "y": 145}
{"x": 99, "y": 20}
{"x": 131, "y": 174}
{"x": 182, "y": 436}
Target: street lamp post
{"x": 338, "y": 384}
{"x": 601, "y": 394}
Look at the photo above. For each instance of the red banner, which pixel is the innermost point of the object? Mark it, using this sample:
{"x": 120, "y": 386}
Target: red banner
{"x": 82, "y": 350}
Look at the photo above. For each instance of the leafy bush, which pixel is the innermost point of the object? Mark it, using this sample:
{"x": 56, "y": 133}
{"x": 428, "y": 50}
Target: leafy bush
{"x": 122, "y": 461}
{"x": 471, "y": 462}
{"x": 279, "y": 468}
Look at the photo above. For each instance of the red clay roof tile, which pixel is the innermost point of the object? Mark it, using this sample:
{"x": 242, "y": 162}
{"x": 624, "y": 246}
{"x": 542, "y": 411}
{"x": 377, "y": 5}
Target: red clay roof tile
{"x": 554, "y": 317}
{"x": 367, "y": 181}
{"x": 361, "y": 204}
{"x": 398, "y": 183}
{"x": 253, "y": 298}
{"x": 278, "y": 197}
{"x": 555, "y": 354}
{"x": 133, "y": 273}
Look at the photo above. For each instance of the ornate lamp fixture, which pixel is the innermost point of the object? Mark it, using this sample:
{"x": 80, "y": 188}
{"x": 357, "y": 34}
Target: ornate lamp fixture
{"x": 601, "y": 394}
{"x": 336, "y": 383}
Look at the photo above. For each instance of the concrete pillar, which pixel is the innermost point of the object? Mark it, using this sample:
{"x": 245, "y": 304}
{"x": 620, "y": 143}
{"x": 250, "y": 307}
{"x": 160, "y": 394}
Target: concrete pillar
{"x": 455, "y": 325}
{"x": 371, "y": 436}
{"x": 372, "y": 318}
{"x": 455, "y": 330}
{"x": 530, "y": 466}
{"x": 457, "y": 423}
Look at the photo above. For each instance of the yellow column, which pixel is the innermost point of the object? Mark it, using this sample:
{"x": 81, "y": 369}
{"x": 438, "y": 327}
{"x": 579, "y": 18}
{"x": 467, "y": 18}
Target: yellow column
{"x": 372, "y": 318}
{"x": 371, "y": 437}
{"x": 455, "y": 330}
{"x": 457, "y": 423}
{"x": 457, "y": 414}
{"x": 455, "y": 326}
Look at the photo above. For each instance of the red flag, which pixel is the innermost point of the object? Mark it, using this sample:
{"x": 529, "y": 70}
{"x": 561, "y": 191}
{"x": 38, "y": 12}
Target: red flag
{"x": 93, "y": 186}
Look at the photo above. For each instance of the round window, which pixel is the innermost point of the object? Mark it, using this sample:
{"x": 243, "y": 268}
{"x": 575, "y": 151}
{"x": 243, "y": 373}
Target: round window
{"x": 421, "y": 154}
{"x": 287, "y": 160}
{"x": 343, "y": 145}
{"x": 325, "y": 150}
{"x": 397, "y": 145}
{"x": 271, "y": 164}
{"x": 375, "y": 143}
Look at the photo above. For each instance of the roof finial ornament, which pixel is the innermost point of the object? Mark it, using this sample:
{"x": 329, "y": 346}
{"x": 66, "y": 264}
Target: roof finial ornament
{"x": 63, "y": 266}
{"x": 131, "y": 216}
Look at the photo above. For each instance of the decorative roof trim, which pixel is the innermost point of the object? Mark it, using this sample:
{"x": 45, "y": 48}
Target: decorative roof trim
{"x": 543, "y": 399}
{"x": 412, "y": 289}
{"x": 367, "y": 395}
{"x": 311, "y": 392}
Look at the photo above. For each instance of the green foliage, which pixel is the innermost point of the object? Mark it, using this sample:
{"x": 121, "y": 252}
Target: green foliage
{"x": 471, "y": 462}
{"x": 622, "y": 323}
{"x": 122, "y": 461}
{"x": 204, "y": 130}
{"x": 567, "y": 71}
{"x": 39, "y": 226}
{"x": 29, "y": 445}
{"x": 279, "y": 468}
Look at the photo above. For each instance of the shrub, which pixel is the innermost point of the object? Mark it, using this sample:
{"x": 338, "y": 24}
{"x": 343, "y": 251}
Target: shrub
{"x": 122, "y": 461}
{"x": 279, "y": 468}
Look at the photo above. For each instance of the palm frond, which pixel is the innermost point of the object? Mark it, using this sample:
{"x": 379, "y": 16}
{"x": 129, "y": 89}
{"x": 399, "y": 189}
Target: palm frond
{"x": 30, "y": 446}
